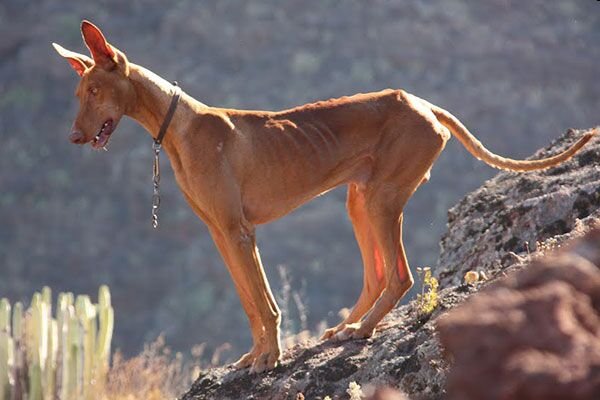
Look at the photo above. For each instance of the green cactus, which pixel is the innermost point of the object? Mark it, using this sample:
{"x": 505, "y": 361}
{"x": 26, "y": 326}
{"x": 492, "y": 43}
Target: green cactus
{"x": 37, "y": 345}
{"x": 62, "y": 319}
{"x": 74, "y": 348}
{"x": 106, "y": 319}
{"x": 86, "y": 313}
{"x": 49, "y": 366}
{"x": 18, "y": 387}
{"x": 42, "y": 358}
{"x": 17, "y": 322}
{"x": 6, "y": 351}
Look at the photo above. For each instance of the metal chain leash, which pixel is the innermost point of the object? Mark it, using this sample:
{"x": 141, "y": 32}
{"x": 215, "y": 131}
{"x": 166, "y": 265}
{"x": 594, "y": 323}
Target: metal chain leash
{"x": 156, "y": 184}
{"x": 156, "y": 146}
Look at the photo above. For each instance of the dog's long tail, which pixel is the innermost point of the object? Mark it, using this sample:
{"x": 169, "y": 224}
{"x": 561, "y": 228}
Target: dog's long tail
{"x": 477, "y": 149}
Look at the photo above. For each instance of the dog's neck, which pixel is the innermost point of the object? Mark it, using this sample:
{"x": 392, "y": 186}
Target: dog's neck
{"x": 152, "y": 98}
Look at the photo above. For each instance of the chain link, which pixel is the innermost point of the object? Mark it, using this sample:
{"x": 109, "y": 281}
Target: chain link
{"x": 156, "y": 146}
{"x": 156, "y": 184}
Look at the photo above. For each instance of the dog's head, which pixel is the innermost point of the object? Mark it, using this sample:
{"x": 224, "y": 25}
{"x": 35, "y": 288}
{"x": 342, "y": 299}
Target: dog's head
{"x": 105, "y": 91}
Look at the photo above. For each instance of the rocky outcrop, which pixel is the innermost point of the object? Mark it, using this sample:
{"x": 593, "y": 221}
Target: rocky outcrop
{"x": 404, "y": 354}
{"x": 486, "y": 233}
{"x": 513, "y": 214}
{"x": 532, "y": 335}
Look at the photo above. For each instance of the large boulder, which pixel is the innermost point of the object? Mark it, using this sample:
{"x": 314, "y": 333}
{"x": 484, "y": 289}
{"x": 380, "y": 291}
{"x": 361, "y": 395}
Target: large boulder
{"x": 532, "y": 335}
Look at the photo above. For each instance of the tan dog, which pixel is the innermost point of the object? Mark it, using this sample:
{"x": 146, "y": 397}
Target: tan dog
{"x": 238, "y": 169}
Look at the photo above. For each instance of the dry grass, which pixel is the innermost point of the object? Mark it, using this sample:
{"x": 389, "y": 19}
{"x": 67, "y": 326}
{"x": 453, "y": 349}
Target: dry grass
{"x": 294, "y": 312}
{"x": 154, "y": 374}
{"x": 158, "y": 374}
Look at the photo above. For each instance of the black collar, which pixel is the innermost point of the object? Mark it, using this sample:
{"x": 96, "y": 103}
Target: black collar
{"x": 170, "y": 112}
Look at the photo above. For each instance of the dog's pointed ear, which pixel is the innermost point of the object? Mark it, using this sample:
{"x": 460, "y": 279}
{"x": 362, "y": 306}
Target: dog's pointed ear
{"x": 78, "y": 62}
{"x": 102, "y": 52}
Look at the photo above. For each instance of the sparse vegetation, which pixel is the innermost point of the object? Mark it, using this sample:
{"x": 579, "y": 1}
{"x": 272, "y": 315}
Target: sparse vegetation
{"x": 154, "y": 374}
{"x": 427, "y": 300}
{"x": 354, "y": 391}
{"x": 68, "y": 357}
{"x": 293, "y": 309}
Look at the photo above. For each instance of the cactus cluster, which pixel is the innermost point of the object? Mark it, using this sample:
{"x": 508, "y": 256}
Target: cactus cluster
{"x": 65, "y": 357}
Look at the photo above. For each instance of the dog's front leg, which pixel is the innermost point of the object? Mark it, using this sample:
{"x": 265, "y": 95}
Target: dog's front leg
{"x": 237, "y": 243}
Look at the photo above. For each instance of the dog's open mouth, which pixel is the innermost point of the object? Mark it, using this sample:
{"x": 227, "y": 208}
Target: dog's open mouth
{"x": 101, "y": 139}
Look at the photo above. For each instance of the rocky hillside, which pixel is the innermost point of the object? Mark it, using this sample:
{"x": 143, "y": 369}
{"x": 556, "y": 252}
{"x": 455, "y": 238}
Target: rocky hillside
{"x": 512, "y": 215}
{"x": 491, "y": 225}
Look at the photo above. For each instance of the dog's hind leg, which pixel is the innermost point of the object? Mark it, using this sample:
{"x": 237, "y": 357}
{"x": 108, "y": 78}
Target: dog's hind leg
{"x": 374, "y": 280}
{"x": 387, "y": 228}
{"x": 402, "y": 167}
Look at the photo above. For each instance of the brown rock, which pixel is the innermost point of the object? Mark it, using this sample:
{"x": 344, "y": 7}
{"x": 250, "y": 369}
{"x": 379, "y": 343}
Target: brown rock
{"x": 386, "y": 394}
{"x": 532, "y": 335}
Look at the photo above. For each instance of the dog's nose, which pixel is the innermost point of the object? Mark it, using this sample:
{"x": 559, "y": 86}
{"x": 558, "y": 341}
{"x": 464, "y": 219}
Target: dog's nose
{"x": 77, "y": 137}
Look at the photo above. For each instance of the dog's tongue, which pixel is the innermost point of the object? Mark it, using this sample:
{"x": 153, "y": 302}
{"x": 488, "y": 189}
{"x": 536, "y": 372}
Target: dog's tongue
{"x": 102, "y": 137}
{"x": 101, "y": 140}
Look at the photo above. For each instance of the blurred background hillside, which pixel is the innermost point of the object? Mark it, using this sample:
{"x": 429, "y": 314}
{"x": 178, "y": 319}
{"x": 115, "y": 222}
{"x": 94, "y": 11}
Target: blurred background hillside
{"x": 516, "y": 73}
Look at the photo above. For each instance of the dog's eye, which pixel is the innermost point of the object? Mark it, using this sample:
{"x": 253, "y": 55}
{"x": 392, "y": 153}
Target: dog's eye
{"x": 93, "y": 90}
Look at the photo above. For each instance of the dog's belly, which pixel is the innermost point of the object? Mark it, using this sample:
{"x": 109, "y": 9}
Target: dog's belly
{"x": 263, "y": 213}
{"x": 271, "y": 199}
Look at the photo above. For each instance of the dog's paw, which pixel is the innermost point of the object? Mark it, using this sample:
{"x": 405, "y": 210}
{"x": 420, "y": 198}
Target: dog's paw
{"x": 264, "y": 362}
{"x": 246, "y": 360}
{"x": 259, "y": 359}
{"x": 354, "y": 331}
{"x": 330, "y": 333}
